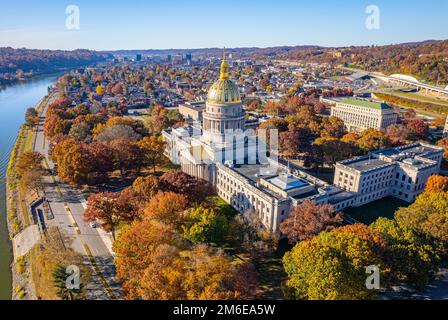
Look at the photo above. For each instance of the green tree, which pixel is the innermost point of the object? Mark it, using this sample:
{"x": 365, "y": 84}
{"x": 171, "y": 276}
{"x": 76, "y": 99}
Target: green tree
{"x": 412, "y": 257}
{"x": 204, "y": 225}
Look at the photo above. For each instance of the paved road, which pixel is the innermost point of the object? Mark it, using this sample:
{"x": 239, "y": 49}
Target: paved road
{"x": 66, "y": 205}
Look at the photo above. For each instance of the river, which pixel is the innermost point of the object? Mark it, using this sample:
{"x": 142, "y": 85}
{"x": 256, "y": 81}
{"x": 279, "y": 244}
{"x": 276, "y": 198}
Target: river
{"x": 14, "y": 100}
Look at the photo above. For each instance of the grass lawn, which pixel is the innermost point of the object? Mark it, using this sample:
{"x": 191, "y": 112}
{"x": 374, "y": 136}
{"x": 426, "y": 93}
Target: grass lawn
{"x": 417, "y": 96}
{"x": 381, "y": 208}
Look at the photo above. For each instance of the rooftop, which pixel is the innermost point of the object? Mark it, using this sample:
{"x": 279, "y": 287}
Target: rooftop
{"x": 365, "y": 164}
{"x": 365, "y": 103}
{"x": 253, "y": 173}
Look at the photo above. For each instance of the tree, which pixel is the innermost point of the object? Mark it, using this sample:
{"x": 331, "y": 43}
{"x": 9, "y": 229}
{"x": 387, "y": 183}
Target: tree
{"x": 118, "y": 89}
{"x": 204, "y": 225}
{"x": 75, "y": 163}
{"x": 100, "y": 90}
{"x": 427, "y": 215}
{"x": 146, "y": 187}
{"x": 314, "y": 157}
{"x": 80, "y": 132}
{"x": 334, "y": 150}
{"x": 29, "y": 161}
{"x": 418, "y": 129}
{"x": 159, "y": 118}
{"x": 372, "y": 139}
{"x": 196, "y": 190}
{"x": 437, "y": 184}
{"x": 308, "y": 220}
{"x": 135, "y": 249}
{"x": 333, "y": 127}
{"x": 153, "y": 148}
{"x": 290, "y": 143}
{"x": 208, "y": 275}
{"x": 111, "y": 209}
{"x": 444, "y": 144}
{"x": 112, "y": 133}
{"x": 397, "y": 134}
{"x": 332, "y": 265}
{"x": 31, "y": 117}
{"x": 60, "y": 283}
{"x": 127, "y": 155}
{"x": 411, "y": 257}
{"x": 54, "y": 126}
{"x": 167, "y": 208}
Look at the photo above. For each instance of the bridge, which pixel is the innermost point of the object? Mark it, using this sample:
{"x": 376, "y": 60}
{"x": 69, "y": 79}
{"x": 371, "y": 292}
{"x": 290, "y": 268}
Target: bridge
{"x": 411, "y": 82}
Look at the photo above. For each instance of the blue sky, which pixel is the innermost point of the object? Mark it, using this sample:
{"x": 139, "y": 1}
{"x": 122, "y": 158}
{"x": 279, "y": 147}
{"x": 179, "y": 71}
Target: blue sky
{"x": 156, "y": 24}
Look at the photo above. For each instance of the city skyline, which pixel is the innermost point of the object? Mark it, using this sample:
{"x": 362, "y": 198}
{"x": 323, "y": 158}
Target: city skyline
{"x": 202, "y": 24}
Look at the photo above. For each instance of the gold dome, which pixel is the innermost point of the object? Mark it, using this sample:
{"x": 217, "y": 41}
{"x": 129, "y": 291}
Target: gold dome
{"x": 224, "y": 91}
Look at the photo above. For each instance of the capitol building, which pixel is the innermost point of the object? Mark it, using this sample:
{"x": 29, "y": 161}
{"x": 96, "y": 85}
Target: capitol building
{"x": 221, "y": 151}
{"x": 234, "y": 160}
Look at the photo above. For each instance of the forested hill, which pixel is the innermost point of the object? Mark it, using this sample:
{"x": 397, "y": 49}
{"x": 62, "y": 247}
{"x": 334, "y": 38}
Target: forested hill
{"x": 42, "y": 61}
{"x": 426, "y": 60}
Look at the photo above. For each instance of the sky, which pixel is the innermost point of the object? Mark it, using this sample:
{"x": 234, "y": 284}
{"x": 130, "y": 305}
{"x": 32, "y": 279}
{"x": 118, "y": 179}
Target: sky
{"x": 166, "y": 24}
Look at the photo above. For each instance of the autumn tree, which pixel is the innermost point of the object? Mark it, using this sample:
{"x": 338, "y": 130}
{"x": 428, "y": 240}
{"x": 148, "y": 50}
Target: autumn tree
{"x": 418, "y": 129}
{"x": 411, "y": 257}
{"x": 122, "y": 132}
{"x": 127, "y": 156}
{"x": 152, "y": 148}
{"x": 54, "y": 125}
{"x": 333, "y": 127}
{"x": 146, "y": 187}
{"x": 196, "y": 190}
{"x": 372, "y": 139}
{"x": 309, "y": 219}
{"x": 332, "y": 265}
{"x": 80, "y": 131}
{"x": 30, "y": 171}
{"x": 290, "y": 144}
{"x": 135, "y": 249}
{"x": 334, "y": 150}
{"x": 437, "y": 184}
{"x": 398, "y": 134}
{"x": 167, "y": 207}
{"x": 159, "y": 118}
{"x": 31, "y": 117}
{"x": 100, "y": 90}
{"x": 444, "y": 144}
{"x": 111, "y": 209}
{"x": 427, "y": 215}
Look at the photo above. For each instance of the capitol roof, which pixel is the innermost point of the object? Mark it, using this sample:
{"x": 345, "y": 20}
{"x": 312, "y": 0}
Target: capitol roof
{"x": 224, "y": 91}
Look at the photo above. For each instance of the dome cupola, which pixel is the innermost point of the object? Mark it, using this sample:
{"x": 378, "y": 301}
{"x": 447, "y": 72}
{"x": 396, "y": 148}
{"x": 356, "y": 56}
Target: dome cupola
{"x": 224, "y": 91}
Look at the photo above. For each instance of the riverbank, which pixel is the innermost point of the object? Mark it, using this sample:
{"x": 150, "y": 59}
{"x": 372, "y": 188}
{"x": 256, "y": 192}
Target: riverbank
{"x": 18, "y": 217}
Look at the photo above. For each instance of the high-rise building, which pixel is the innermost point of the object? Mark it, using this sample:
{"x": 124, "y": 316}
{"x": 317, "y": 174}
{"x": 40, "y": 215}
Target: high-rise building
{"x": 188, "y": 58}
{"x": 138, "y": 57}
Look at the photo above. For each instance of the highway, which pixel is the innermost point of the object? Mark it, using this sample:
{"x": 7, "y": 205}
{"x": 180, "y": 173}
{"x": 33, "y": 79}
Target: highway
{"x": 66, "y": 204}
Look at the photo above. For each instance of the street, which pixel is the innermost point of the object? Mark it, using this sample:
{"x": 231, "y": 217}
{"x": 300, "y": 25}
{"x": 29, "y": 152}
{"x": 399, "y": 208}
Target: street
{"x": 66, "y": 204}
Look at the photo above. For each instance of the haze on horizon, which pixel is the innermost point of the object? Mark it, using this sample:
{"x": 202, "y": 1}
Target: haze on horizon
{"x": 157, "y": 24}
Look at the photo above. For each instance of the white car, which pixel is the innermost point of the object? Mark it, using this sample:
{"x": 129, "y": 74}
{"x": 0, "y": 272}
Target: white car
{"x": 93, "y": 224}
